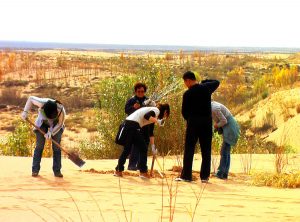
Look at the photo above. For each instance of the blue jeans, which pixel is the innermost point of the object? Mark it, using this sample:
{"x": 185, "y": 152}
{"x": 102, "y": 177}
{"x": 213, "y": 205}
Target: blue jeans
{"x": 223, "y": 168}
{"x": 38, "y": 151}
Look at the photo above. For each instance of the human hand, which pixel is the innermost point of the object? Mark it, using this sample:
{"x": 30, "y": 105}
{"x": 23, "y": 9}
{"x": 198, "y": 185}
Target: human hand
{"x": 161, "y": 122}
{"x": 24, "y": 115}
{"x": 48, "y": 135}
{"x": 136, "y": 105}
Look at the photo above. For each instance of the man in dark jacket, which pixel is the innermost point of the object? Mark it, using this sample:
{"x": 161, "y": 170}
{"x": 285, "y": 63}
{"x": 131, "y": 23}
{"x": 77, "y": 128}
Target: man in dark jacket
{"x": 134, "y": 103}
{"x": 196, "y": 110}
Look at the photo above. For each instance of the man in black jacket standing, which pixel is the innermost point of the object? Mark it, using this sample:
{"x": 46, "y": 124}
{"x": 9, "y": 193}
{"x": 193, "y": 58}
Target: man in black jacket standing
{"x": 196, "y": 110}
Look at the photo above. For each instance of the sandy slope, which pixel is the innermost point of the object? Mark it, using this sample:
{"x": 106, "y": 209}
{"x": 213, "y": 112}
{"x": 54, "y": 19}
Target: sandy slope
{"x": 282, "y": 105}
{"x": 47, "y": 198}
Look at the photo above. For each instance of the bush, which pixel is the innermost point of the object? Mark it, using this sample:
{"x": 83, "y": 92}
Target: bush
{"x": 95, "y": 149}
{"x": 265, "y": 94}
{"x": 11, "y": 96}
{"x": 20, "y": 142}
{"x": 112, "y": 96}
{"x": 281, "y": 180}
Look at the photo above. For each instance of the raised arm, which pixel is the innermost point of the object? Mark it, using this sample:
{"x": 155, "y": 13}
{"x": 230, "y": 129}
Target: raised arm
{"x": 212, "y": 85}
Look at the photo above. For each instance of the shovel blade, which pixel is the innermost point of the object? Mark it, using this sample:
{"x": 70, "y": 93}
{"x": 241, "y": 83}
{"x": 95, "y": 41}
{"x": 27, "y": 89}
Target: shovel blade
{"x": 76, "y": 159}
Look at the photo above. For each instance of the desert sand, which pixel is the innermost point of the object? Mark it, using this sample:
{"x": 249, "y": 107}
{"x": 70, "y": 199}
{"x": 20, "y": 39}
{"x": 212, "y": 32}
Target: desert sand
{"x": 86, "y": 196}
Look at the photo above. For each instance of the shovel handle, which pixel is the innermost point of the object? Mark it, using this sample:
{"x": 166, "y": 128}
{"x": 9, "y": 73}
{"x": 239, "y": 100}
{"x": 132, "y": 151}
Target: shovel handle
{"x": 152, "y": 165}
{"x": 42, "y": 132}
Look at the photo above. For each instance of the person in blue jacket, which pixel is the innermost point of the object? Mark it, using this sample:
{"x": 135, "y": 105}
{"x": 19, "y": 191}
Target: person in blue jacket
{"x": 226, "y": 124}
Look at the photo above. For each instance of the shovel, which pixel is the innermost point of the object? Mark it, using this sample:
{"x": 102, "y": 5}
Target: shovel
{"x": 71, "y": 155}
{"x": 152, "y": 166}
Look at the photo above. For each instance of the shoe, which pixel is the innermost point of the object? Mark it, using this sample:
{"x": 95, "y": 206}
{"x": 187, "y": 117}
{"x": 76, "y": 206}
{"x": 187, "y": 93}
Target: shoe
{"x": 221, "y": 176}
{"x": 118, "y": 174}
{"x": 58, "y": 174}
{"x": 132, "y": 168}
{"x": 204, "y": 180}
{"x": 144, "y": 176}
{"x": 35, "y": 174}
{"x": 178, "y": 179}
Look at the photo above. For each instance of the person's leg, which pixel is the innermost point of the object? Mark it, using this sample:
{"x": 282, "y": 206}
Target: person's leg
{"x": 133, "y": 158}
{"x": 57, "y": 153}
{"x": 205, "y": 138}
{"x": 127, "y": 148}
{"x": 227, "y": 162}
{"x": 224, "y": 161}
{"x": 189, "y": 150}
{"x": 38, "y": 151}
{"x": 140, "y": 142}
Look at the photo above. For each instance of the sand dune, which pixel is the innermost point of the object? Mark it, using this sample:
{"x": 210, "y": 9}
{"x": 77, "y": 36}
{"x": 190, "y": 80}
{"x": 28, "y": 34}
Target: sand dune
{"x": 82, "y": 196}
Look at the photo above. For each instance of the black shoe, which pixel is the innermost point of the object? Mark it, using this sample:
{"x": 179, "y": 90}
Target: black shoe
{"x": 35, "y": 174}
{"x": 58, "y": 174}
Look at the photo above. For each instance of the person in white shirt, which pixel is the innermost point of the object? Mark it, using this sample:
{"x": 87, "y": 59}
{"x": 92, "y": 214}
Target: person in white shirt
{"x": 130, "y": 134}
{"x": 226, "y": 124}
{"x": 50, "y": 119}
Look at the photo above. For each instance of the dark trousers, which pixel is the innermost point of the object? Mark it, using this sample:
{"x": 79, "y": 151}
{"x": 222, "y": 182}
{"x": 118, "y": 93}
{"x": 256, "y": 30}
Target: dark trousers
{"x": 134, "y": 138}
{"x": 38, "y": 151}
{"x": 197, "y": 129}
{"x": 224, "y": 166}
{"x": 135, "y": 154}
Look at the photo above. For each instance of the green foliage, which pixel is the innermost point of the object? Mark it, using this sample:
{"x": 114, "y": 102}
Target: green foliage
{"x": 20, "y": 142}
{"x": 97, "y": 149}
{"x": 112, "y": 96}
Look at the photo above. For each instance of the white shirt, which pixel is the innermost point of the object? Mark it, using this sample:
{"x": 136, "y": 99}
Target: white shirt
{"x": 138, "y": 115}
{"x": 220, "y": 113}
{"x": 39, "y": 102}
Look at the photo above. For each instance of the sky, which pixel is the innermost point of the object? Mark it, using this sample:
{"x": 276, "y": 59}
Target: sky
{"x": 252, "y": 23}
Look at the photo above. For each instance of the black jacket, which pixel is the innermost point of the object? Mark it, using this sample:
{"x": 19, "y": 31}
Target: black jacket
{"x": 129, "y": 104}
{"x": 196, "y": 103}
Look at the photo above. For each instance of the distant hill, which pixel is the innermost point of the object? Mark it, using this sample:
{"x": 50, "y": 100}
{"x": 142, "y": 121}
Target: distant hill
{"x": 157, "y": 48}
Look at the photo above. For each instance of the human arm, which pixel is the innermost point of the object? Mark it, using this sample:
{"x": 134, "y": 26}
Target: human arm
{"x": 185, "y": 109}
{"x": 60, "y": 124}
{"x": 212, "y": 85}
{"x": 33, "y": 100}
{"x": 131, "y": 106}
{"x": 222, "y": 121}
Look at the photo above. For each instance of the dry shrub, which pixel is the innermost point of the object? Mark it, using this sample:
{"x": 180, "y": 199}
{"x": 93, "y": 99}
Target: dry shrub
{"x": 282, "y": 180}
{"x": 10, "y": 83}
{"x": 12, "y": 96}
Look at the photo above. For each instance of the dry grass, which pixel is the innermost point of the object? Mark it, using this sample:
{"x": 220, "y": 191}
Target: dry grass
{"x": 12, "y": 96}
{"x": 279, "y": 180}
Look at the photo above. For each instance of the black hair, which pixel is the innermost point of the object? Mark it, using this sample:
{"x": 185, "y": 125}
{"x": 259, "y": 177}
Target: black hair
{"x": 50, "y": 109}
{"x": 140, "y": 85}
{"x": 162, "y": 108}
{"x": 189, "y": 75}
